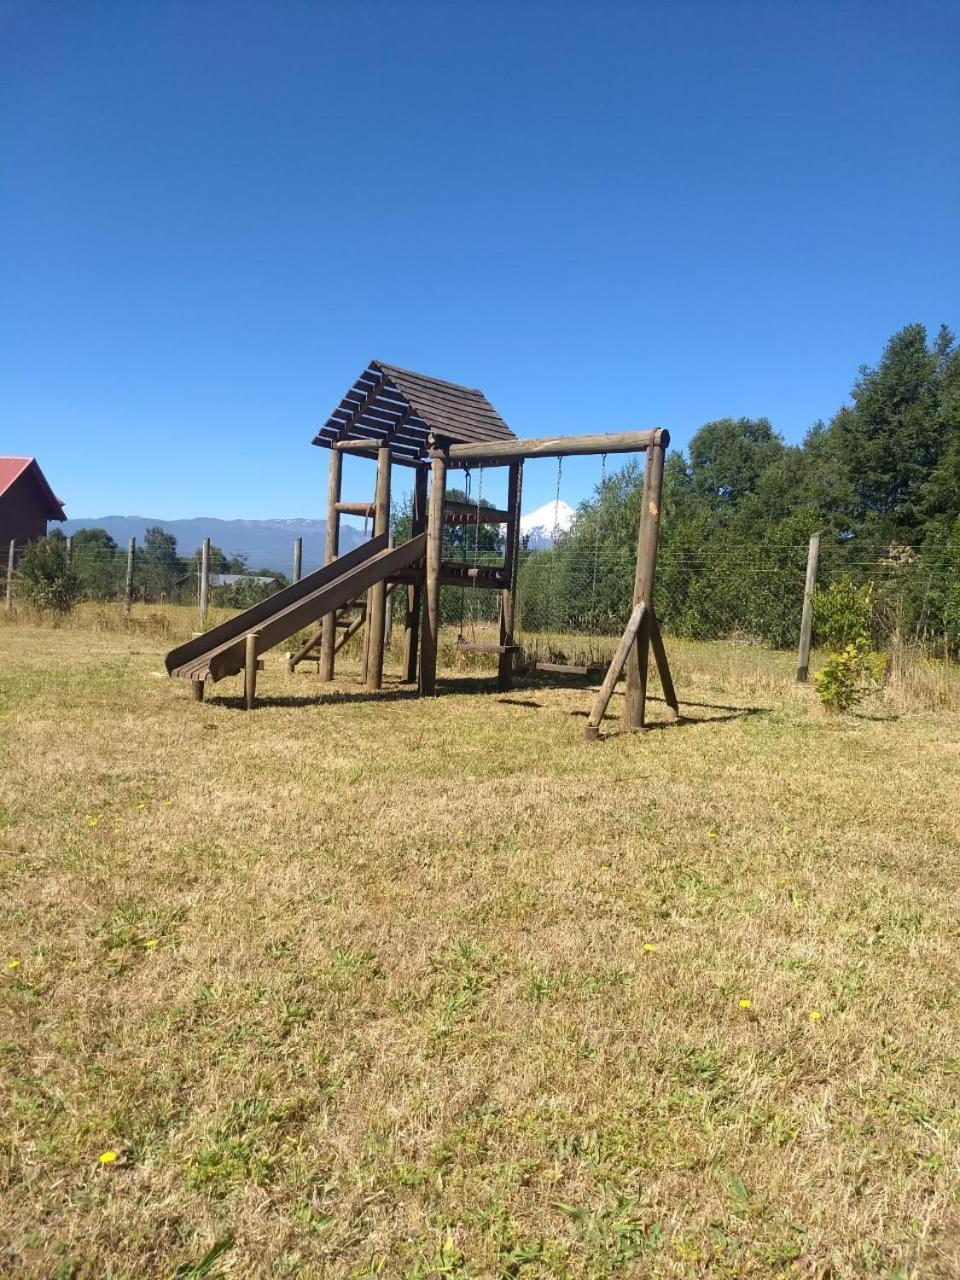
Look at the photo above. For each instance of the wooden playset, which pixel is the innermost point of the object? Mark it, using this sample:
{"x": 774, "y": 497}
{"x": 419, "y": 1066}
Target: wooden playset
{"x": 397, "y": 417}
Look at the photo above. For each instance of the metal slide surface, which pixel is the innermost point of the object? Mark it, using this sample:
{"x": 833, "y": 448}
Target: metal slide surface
{"x": 220, "y": 651}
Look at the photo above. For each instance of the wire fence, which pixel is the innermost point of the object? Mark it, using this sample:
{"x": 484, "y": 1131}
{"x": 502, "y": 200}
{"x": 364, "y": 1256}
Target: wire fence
{"x": 753, "y": 591}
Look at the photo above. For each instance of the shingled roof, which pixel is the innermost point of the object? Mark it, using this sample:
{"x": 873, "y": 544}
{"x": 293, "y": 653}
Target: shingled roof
{"x": 409, "y": 411}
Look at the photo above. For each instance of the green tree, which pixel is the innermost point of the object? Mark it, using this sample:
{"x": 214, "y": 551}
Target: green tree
{"x": 44, "y": 578}
{"x": 159, "y": 569}
{"x": 98, "y": 564}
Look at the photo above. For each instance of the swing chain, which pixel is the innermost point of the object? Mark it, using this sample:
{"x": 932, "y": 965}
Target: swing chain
{"x": 596, "y": 540}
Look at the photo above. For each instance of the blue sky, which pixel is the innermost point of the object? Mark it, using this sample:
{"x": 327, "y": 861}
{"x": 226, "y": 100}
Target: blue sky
{"x": 607, "y": 216}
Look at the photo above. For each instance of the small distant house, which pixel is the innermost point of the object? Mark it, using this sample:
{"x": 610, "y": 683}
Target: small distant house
{"x": 26, "y": 502}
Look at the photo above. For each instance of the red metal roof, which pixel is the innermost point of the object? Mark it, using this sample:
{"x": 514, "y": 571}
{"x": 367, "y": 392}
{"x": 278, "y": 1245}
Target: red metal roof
{"x": 11, "y": 469}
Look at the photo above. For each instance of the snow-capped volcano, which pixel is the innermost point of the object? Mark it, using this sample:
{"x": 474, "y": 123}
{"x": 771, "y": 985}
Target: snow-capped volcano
{"x": 538, "y": 526}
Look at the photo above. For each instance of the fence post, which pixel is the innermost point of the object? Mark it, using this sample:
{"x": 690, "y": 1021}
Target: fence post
{"x": 297, "y": 558}
{"x": 11, "y": 556}
{"x": 806, "y": 619}
{"x": 204, "y": 581}
{"x": 128, "y": 589}
{"x": 69, "y": 550}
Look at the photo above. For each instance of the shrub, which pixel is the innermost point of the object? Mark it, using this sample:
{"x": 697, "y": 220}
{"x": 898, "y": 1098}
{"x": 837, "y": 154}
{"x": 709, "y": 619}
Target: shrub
{"x": 848, "y": 676}
{"x": 44, "y": 577}
{"x": 843, "y": 615}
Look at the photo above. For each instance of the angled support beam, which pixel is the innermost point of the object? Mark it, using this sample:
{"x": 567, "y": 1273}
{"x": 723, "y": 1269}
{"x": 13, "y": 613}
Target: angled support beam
{"x": 628, "y": 642}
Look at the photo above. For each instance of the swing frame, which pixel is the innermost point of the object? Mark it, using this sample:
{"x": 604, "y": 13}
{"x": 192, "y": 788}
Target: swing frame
{"x": 398, "y": 416}
{"x": 642, "y": 632}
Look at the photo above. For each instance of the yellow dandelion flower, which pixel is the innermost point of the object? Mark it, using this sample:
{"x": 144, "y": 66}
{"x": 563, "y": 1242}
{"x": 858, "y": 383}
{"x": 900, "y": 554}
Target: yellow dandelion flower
{"x": 152, "y": 942}
{"x": 108, "y": 1157}
{"x": 141, "y": 806}
{"x": 815, "y": 1015}
{"x": 713, "y": 835}
{"x": 604, "y": 866}
{"x": 788, "y": 831}
{"x": 744, "y": 1003}
{"x": 13, "y": 964}
{"x": 649, "y": 948}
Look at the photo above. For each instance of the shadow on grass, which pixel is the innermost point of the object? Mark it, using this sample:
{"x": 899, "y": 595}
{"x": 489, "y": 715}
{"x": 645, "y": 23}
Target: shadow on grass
{"x": 333, "y": 698}
{"x": 682, "y": 721}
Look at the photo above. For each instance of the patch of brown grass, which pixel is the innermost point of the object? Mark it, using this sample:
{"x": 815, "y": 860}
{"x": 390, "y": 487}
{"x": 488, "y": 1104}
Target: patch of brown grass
{"x": 367, "y": 985}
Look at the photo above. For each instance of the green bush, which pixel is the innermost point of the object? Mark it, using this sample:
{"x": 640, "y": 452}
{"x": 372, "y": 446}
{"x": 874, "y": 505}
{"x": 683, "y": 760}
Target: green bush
{"x": 44, "y": 577}
{"x": 843, "y": 615}
{"x": 848, "y": 676}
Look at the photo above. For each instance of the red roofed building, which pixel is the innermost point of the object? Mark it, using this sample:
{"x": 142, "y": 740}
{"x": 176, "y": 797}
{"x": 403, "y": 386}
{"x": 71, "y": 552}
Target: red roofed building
{"x": 26, "y": 502}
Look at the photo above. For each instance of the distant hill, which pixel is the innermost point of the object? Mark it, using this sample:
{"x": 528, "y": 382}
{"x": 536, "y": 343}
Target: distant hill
{"x": 267, "y": 544}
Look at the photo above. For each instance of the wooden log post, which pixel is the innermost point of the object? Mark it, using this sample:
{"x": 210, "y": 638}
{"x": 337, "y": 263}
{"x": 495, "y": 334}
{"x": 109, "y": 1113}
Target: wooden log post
{"x": 627, "y": 645}
{"x": 411, "y": 634}
{"x": 377, "y": 600}
{"x": 128, "y": 586}
{"x": 297, "y": 559}
{"x": 663, "y": 669}
{"x": 204, "y": 581}
{"x": 638, "y": 659}
{"x": 430, "y": 639}
{"x": 250, "y": 670}
{"x": 806, "y": 618}
{"x": 198, "y": 688}
{"x": 330, "y": 553}
{"x": 11, "y": 558}
{"x": 511, "y": 561}
{"x": 69, "y": 550}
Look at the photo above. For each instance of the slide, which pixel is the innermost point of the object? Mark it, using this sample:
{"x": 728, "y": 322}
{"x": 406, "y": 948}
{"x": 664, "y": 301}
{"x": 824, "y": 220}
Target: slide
{"x": 220, "y": 651}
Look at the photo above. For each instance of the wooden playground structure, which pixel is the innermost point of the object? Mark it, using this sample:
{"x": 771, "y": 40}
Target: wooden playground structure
{"x": 397, "y": 417}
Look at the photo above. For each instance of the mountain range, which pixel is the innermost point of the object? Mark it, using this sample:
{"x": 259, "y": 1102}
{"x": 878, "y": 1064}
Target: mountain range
{"x": 268, "y": 544}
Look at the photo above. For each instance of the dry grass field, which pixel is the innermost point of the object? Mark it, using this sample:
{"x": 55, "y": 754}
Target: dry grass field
{"x": 358, "y": 985}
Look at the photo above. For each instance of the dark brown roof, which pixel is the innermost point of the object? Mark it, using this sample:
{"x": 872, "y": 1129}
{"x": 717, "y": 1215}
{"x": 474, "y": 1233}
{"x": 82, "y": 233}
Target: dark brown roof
{"x": 407, "y": 408}
{"x": 11, "y": 469}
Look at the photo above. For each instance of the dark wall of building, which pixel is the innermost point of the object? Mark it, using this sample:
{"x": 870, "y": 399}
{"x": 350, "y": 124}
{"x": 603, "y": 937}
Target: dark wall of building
{"x": 23, "y": 511}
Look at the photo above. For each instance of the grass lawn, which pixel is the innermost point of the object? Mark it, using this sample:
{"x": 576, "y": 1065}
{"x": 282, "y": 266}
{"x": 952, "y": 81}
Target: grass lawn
{"x": 359, "y": 985}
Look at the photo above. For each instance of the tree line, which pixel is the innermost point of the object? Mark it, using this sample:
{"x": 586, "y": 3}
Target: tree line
{"x": 880, "y": 481}
{"x": 96, "y": 568}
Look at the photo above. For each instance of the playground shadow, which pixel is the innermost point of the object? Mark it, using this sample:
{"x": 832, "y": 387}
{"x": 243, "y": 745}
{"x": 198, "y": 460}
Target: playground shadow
{"x": 332, "y": 698}
{"x": 682, "y": 721}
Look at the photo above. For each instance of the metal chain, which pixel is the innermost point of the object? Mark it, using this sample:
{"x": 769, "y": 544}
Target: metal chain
{"x": 596, "y": 540}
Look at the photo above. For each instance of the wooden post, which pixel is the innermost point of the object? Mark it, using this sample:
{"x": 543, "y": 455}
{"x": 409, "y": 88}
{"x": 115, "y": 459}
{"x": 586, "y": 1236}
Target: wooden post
{"x": 11, "y": 557}
{"x": 411, "y": 634}
{"x": 250, "y": 671}
{"x": 663, "y": 669}
{"x": 430, "y": 639}
{"x": 331, "y": 551}
{"x": 806, "y": 619}
{"x": 627, "y": 645}
{"x": 69, "y": 551}
{"x": 511, "y": 559}
{"x": 377, "y": 600}
{"x": 634, "y": 712}
{"x": 204, "y": 581}
{"x": 297, "y": 558}
{"x": 198, "y": 687}
{"x": 128, "y": 588}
